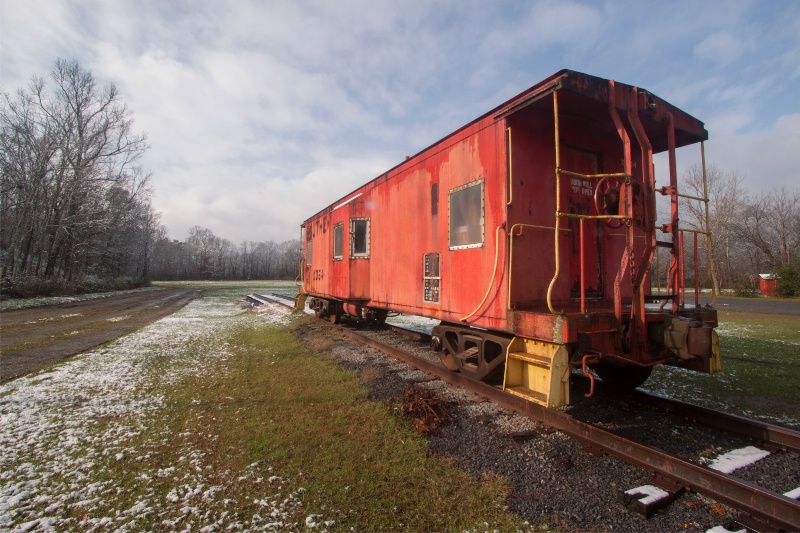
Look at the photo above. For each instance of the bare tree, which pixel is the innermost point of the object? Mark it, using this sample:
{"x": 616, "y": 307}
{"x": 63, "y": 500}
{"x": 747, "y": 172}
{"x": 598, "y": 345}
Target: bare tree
{"x": 771, "y": 223}
{"x": 73, "y": 200}
{"x": 727, "y": 200}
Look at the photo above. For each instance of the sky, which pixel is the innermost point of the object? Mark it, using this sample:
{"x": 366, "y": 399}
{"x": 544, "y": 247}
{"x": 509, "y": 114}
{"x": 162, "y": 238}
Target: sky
{"x": 261, "y": 113}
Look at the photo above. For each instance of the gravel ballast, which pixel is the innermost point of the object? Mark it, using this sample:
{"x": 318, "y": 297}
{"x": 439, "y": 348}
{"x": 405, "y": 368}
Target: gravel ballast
{"x": 553, "y": 480}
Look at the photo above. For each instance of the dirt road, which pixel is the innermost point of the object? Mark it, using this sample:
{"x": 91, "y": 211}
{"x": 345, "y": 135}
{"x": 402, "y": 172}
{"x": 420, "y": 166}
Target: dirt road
{"x": 36, "y": 337}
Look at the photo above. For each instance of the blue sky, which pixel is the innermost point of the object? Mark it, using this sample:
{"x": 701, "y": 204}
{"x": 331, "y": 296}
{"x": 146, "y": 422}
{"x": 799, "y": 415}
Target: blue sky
{"x": 260, "y": 113}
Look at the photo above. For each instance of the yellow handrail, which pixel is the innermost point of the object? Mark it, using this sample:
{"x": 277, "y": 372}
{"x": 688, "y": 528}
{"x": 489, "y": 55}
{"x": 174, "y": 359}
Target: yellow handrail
{"x": 693, "y": 197}
{"x": 687, "y": 230}
{"x": 593, "y": 176}
{"x": 558, "y": 208}
{"x": 494, "y": 272}
{"x": 594, "y": 217}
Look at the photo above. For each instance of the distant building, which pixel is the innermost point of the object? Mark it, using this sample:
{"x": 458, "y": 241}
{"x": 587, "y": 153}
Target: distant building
{"x": 768, "y": 284}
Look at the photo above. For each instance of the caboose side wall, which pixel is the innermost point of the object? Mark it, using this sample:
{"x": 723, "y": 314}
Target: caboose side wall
{"x": 415, "y": 212}
{"x": 405, "y": 226}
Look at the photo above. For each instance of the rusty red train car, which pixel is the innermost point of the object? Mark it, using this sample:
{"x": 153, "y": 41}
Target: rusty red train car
{"x": 530, "y": 234}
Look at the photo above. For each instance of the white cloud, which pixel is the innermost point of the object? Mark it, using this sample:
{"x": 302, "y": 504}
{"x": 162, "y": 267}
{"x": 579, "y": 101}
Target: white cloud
{"x": 768, "y": 159}
{"x": 47, "y": 31}
{"x": 721, "y": 48}
{"x": 260, "y": 114}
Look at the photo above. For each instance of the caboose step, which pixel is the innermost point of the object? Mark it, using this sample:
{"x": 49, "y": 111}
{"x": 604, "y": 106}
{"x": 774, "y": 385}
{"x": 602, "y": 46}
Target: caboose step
{"x": 537, "y": 371}
{"x": 539, "y": 360}
{"x": 528, "y": 394}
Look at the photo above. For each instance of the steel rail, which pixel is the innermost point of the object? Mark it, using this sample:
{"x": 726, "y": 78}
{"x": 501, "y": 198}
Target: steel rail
{"x": 776, "y": 510}
{"x": 769, "y": 434}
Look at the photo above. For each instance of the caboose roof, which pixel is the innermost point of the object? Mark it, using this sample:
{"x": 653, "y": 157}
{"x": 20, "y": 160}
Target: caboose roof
{"x": 589, "y": 94}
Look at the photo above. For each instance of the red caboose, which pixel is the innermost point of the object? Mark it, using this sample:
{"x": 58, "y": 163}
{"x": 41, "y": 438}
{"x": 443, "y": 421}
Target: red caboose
{"x": 530, "y": 234}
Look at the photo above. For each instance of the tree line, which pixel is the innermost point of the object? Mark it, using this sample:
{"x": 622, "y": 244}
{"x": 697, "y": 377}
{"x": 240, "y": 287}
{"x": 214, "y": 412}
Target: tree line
{"x": 75, "y": 205}
{"x": 752, "y": 233}
{"x": 75, "y": 208}
{"x": 206, "y": 256}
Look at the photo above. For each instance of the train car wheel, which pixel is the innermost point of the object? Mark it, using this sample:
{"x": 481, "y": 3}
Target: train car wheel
{"x": 380, "y": 317}
{"x": 335, "y": 317}
{"x": 623, "y": 377}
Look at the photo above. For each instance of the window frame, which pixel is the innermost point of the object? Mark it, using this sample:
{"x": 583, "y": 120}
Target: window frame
{"x": 367, "y": 238}
{"x": 451, "y": 192}
{"x": 338, "y": 228}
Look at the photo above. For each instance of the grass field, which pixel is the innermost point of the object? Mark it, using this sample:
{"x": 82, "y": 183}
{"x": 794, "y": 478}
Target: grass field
{"x": 760, "y": 355}
{"x": 213, "y": 419}
{"x": 217, "y": 418}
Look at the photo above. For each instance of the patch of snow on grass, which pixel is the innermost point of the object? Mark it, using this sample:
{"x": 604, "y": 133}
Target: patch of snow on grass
{"x": 273, "y": 313}
{"x": 68, "y": 433}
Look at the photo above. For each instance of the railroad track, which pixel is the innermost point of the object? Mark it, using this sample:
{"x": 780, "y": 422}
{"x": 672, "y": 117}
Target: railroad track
{"x": 762, "y": 508}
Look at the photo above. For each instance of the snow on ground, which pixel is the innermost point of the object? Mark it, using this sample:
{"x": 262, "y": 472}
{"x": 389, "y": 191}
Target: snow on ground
{"x": 736, "y": 459}
{"x": 418, "y": 323}
{"x": 63, "y": 430}
{"x": 23, "y": 303}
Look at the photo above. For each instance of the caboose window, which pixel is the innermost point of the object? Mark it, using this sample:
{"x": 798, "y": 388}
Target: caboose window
{"x": 309, "y": 249}
{"x": 338, "y": 240}
{"x": 466, "y": 216}
{"x": 359, "y": 237}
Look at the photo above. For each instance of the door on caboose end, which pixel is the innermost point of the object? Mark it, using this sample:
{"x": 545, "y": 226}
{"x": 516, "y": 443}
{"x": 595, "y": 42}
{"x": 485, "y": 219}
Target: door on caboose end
{"x": 359, "y": 251}
{"x": 578, "y": 198}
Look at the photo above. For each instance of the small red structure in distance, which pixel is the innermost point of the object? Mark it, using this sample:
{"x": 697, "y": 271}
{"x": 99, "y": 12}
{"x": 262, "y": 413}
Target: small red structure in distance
{"x": 768, "y": 284}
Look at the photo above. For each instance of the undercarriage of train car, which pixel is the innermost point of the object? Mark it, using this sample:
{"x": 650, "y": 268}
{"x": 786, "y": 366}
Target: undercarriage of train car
{"x": 334, "y": 310}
